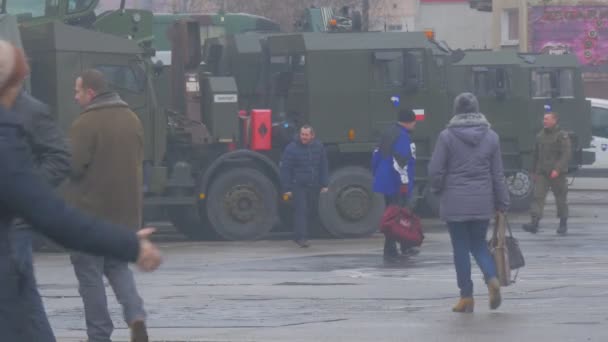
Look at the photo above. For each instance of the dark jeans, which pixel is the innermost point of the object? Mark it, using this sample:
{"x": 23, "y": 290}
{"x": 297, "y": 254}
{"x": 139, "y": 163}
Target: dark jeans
{"x": 38, "y": 327}
{"x": 390, "y": 245}
{"x": 469, "y": 237}
{"x": 305, "y": 200}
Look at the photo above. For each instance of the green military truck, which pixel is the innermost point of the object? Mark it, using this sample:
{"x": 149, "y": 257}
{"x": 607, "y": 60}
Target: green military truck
{"x": 212, "y": 153}
{"x": 513, "y": 90}
{"x": 346, "y": 86}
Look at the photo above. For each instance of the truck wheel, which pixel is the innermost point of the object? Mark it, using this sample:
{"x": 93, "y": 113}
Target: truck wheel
{"x": 188, "y": 222}
{"x": 521, "y": 190}
{"x": 242, "y": 204}
{"x": 350, "y": 208}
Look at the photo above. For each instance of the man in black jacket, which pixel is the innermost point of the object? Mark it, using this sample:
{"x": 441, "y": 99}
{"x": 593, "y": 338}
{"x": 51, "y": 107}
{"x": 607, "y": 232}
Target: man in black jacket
{"x": 52, "y": 161}
{"x": 304, "y": 172}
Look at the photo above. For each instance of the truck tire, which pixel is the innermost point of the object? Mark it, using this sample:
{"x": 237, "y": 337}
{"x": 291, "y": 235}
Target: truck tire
{"x": 188, "y": 222}
{"x": 242, "y": 204}
{"x": 350, "y": 208}
{"x": 521, "y": 190}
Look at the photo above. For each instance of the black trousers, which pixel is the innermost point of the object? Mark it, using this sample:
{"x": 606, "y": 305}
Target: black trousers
{"x": 390, "y": 245}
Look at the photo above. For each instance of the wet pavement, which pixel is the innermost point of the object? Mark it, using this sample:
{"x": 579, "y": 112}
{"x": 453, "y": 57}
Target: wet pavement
{"x": 340, "y": 290}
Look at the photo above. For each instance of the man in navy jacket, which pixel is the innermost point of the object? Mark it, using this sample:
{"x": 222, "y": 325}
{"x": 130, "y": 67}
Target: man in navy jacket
{"x": 304, "y": 172}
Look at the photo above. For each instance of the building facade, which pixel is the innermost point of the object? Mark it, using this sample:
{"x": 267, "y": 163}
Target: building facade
{"x": 558, "y": 27}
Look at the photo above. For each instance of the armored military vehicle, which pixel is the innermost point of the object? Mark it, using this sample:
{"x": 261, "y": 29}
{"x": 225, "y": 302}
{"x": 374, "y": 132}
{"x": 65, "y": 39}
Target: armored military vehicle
{"x": 513, "y": 90}
{"x": 212, "y": 154}
{"x": 348, "y": 85}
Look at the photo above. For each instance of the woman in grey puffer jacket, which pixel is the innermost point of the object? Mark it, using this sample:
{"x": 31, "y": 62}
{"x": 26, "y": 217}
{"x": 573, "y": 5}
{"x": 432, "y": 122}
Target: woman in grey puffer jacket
{"x": 466, "y": 171}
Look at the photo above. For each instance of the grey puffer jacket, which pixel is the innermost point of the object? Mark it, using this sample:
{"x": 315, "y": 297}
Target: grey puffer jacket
{"x": 466, "y": 167}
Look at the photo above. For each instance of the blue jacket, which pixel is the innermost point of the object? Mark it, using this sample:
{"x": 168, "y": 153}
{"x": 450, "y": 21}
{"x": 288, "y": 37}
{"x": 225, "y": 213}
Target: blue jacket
{"x": 396, "y": 151}
{"x": 24, "y": 194}
{"x": 304, "y": 165}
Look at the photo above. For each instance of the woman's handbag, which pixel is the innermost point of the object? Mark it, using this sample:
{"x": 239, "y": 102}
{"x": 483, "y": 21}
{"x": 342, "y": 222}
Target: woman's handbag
{"x": 505, "y": 251}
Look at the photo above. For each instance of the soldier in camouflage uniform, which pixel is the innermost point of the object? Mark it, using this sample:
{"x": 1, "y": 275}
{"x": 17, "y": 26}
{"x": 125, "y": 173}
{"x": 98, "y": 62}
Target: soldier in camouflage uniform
{"x": 550, "y": 166}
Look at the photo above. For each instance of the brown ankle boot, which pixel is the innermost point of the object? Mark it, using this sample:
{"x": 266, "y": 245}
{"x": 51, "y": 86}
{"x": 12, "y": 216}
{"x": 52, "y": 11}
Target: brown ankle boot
{"x": 494, "y": 291}
{"x": 139, "y": 332}
{"x": 464, "y": 305}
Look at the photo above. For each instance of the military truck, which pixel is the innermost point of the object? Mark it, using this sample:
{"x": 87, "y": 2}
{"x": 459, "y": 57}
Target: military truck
{"x": 513, "y": 90}
{"x": 212, "y": 155}
{"x": 347, "y": 86}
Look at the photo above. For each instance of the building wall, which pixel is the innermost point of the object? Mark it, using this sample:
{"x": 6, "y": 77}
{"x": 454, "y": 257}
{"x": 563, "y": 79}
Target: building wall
{"x": 454, "y": 22}
{"x": 578, "y": 27}
{"x": 392, "y": 15}
{"x": 500, "y": 8}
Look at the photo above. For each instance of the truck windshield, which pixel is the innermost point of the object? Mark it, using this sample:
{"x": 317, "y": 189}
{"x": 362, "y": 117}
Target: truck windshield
{"x": 32, "y": 8}
{"x": 75, "y": 6}
{"x": 548, "y": 83}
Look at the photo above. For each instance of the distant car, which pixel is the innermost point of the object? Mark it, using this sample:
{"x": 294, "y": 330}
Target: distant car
{"x": 599, "y": 129}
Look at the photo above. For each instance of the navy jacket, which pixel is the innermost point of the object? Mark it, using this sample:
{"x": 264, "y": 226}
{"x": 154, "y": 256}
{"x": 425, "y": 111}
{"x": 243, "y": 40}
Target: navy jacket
{"x": 304, "y": 165}
{"x": 47, "y": 143}
{"x": 394, "y": 162}
{"x": 23, "y": 193}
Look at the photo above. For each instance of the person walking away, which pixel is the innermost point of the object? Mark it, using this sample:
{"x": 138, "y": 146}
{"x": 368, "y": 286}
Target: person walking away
{"x": 304, "y": 173}
{"x": 549, "y": 167}
{"x": 106, "y": 179}
{"x": 24, "y": 194}
{"x": 393, "y": 168}
{"x": 52, "y": 159}
{"x": 466, "y": 172}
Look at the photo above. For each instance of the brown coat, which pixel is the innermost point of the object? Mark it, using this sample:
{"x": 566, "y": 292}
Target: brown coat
{"x": 107, "y": 156}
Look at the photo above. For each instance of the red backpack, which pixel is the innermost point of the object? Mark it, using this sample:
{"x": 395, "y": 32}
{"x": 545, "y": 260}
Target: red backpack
{"x": 401, "y": 224}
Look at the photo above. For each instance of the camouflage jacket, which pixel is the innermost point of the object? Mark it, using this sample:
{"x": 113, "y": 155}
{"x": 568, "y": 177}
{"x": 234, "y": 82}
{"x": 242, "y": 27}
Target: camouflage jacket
{"x": 552, "y": 151}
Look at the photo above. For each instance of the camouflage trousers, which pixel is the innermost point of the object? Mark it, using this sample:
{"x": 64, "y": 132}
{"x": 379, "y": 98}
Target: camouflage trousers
{"x": 559, "y": 187}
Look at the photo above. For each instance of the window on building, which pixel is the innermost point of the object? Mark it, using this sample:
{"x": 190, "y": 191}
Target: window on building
{"x": 122, "y": 77}
{"x": 552, "y": 83}
{"x": 394, "y": 28}
{"x": 510, "y": 27}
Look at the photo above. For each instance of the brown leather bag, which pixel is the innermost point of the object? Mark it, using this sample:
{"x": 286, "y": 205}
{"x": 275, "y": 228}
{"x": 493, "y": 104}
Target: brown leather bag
{"x": 499, "y": 251}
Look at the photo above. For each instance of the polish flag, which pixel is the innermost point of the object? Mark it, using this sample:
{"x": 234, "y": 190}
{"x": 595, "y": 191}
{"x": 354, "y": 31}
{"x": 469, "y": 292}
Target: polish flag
{"x": 419, "y": 114}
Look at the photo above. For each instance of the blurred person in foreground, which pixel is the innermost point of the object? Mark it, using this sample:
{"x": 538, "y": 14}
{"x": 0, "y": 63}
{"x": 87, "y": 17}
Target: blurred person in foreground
{"x": 24, "y": 194}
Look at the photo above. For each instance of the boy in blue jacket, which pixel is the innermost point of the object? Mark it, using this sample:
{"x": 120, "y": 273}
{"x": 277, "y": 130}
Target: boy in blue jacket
{"x": 393, "y": 167}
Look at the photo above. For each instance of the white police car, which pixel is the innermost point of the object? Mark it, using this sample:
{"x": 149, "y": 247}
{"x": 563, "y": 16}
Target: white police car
{"x": 599, "y": 129}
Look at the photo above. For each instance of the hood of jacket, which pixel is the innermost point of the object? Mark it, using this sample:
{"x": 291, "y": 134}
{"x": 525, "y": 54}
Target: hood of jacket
{"x": 106, "y": 100}
{"x": 469, "y": 127}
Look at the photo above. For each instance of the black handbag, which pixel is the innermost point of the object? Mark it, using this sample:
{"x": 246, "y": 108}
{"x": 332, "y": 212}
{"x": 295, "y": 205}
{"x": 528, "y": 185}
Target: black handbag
{"x": 516, "y": 257}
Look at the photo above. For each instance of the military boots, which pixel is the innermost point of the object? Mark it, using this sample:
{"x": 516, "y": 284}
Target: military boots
{"x": 532, "y": 227}
{"x": 563, "y": 226}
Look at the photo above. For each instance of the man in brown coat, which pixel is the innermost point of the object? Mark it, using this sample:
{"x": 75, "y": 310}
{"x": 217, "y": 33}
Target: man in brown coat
{"x": 106, "y": 178}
